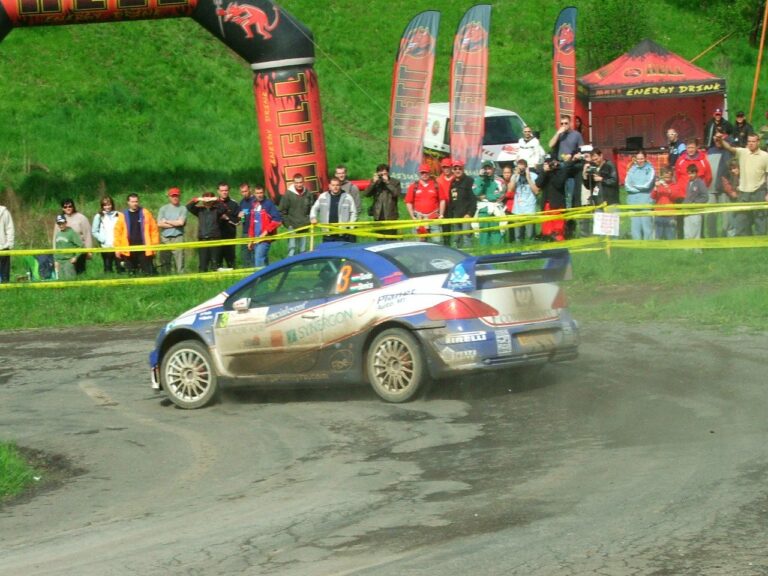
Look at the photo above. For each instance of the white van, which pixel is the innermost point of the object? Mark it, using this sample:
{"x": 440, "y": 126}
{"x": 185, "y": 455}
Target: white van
{"x": 503, "y": 129}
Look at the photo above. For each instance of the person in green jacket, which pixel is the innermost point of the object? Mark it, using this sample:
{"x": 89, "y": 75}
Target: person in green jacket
{"x": 65, "y": 238}
{"x": 490, "y": 195}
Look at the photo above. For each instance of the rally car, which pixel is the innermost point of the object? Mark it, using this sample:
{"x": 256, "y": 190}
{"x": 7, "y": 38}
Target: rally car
{"x": 394, "y": 314}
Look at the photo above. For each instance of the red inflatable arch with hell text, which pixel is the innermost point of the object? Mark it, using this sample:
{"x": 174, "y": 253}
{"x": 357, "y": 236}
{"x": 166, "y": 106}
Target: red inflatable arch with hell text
{"x": 278, "y": 47}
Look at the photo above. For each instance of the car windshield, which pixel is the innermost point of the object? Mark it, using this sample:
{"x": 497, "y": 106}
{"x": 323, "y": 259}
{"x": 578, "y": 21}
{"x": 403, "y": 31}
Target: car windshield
{"x": 422, "y": 258}
{"x": 502, "y": 130}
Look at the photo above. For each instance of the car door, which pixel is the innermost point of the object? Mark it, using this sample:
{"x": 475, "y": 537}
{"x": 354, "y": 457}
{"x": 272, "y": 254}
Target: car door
{"x": 349, "y": 310}
{"x": 273, "y": 325}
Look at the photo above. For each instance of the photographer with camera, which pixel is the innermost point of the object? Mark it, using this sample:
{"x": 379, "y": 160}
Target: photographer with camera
{"x": 525, "y": 191}
{"x": 385, "y": 191}
{"x": 601, "y": 179}
{"x": 552, "y": 185}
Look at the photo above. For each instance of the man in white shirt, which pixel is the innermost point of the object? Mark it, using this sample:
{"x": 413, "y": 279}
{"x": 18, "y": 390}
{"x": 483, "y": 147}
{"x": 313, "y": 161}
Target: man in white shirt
{"x": 529, "y": 148}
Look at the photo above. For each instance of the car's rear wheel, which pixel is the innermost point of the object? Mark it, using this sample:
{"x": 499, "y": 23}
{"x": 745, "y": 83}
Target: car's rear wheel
{"x": 188, "y": 376}
{"x": 395, "y": 365}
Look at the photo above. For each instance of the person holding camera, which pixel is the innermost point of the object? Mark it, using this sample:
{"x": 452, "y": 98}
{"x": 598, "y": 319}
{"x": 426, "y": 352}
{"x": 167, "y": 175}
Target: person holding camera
{"x": 552, "y": 186}
{"x": 525, "y": 191}
{"x": 385, "y": 191}
{"x": 601, "y": 179}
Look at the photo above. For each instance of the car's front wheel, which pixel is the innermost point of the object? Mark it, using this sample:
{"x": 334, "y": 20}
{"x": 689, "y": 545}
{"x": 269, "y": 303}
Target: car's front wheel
{"x": 188, "y": 376}
{"x": 395, "y": 365}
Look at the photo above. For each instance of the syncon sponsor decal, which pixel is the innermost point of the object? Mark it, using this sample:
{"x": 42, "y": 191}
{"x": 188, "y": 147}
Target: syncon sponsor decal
{"x": 328, "y": 321}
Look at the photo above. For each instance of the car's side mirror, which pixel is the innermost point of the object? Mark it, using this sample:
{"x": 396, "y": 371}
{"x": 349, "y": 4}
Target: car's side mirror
{"x": 242, "y": 305}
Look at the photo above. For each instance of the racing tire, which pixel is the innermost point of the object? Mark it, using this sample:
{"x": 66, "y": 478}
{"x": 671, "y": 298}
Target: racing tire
{"x": 188, "y": 376}
{"x": 395, "y": 365}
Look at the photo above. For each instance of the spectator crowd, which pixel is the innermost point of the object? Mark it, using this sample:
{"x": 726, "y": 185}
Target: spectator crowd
{"x": 728, "y": 166}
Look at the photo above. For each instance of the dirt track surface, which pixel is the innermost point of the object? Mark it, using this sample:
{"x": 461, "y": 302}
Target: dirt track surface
{"x": 647, "y": 455}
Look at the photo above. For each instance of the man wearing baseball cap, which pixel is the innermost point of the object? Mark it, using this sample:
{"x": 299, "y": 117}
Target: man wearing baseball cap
{"x": 461, "y": 203}
{"x": 490, "y": 194}
{"x": 171, "y": 220}
{"x": 445, "y": 177}
{"x": 65, "y": 238}
{"x": 716, "y": 124}
{"x": 444, "y": 180}
{"x": 424, "y": 201}
{"x": 741, "y": 129}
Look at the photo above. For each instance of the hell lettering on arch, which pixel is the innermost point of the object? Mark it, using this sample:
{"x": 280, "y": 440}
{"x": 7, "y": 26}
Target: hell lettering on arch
{"x": 39, "y": 6}
{"x": 297, "y": 144}
{"x": 308, "y": 170}
{"x": 89, "y": 5}
{"x": 127, "y": 4}
{"x": 291, "y": 87}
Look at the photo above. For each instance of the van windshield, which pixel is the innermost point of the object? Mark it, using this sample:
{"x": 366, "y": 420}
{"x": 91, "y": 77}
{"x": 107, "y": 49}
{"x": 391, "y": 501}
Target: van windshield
{"x": 502, "y": 130}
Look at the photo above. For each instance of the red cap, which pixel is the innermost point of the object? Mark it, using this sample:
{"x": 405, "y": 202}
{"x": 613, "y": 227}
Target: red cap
{"x": 424, "y": 168}
{"x": 174, "y": 192}
{"x": 445, "y": 163}
{"x": 458, "y": 163}
{"x": 718, "y": 111}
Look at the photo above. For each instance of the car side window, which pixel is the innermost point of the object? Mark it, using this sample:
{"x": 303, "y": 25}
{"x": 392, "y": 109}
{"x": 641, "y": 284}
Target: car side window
{"x": 306, "y": 280}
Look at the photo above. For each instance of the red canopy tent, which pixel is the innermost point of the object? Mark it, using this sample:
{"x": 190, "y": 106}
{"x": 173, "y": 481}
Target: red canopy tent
{"x": 643, "y": 93}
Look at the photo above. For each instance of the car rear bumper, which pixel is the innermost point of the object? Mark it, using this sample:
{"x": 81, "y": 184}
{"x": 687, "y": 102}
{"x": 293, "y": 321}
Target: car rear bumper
{"x": 457, "y": 352}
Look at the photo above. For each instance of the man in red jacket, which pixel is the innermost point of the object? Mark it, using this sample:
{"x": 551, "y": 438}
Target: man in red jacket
{"x": 265, "y": 220}
{"x": 425, "y": 201}
{"x": 693, "y": 156}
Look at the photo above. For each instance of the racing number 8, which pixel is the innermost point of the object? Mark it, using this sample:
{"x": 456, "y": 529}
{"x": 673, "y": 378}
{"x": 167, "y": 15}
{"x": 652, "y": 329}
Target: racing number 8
{"x": 342, "y": 284}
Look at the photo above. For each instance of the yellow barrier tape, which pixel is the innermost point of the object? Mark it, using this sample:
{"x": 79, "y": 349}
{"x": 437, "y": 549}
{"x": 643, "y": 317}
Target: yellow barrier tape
{"x": 134, "y": 280}
{"x": 369, "y": 229}
{"x": 407, "y": 230}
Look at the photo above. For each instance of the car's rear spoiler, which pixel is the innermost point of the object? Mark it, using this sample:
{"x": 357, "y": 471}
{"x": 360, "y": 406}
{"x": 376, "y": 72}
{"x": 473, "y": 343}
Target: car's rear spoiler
{"x": 467, "y": 276}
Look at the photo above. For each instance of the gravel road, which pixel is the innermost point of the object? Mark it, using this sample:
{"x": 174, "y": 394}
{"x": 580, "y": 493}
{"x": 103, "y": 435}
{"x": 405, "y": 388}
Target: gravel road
{"x": 647, "y": 455}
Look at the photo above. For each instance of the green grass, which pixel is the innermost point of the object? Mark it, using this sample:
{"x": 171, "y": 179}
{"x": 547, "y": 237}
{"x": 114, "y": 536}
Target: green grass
{"x": 629, "y": 285}
{"x": 673, "y": 286}
{"x": 15, "y": 473}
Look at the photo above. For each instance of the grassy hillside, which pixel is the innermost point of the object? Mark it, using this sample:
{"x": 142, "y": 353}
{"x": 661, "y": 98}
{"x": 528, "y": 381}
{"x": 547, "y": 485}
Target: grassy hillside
{"x": 141, "y": 106}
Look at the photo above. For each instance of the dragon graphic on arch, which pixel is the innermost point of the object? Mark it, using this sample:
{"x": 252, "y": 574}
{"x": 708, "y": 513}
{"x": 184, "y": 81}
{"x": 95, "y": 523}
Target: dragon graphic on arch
{"x": 247, "y": 17}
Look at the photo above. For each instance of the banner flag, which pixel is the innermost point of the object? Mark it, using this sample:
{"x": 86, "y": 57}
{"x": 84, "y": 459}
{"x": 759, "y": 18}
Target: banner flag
{"x": 469, "y": 74}
{"x": 411, "y": 87}
{"x": 564, "y": 64}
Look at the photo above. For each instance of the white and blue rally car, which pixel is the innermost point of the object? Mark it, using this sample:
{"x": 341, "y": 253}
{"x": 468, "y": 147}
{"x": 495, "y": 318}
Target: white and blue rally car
{"x": 394, "y": 314}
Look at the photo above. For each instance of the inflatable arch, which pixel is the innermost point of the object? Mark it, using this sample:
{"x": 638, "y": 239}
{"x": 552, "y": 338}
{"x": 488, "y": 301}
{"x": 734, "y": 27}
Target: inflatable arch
{"x": 278, "y": 47}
